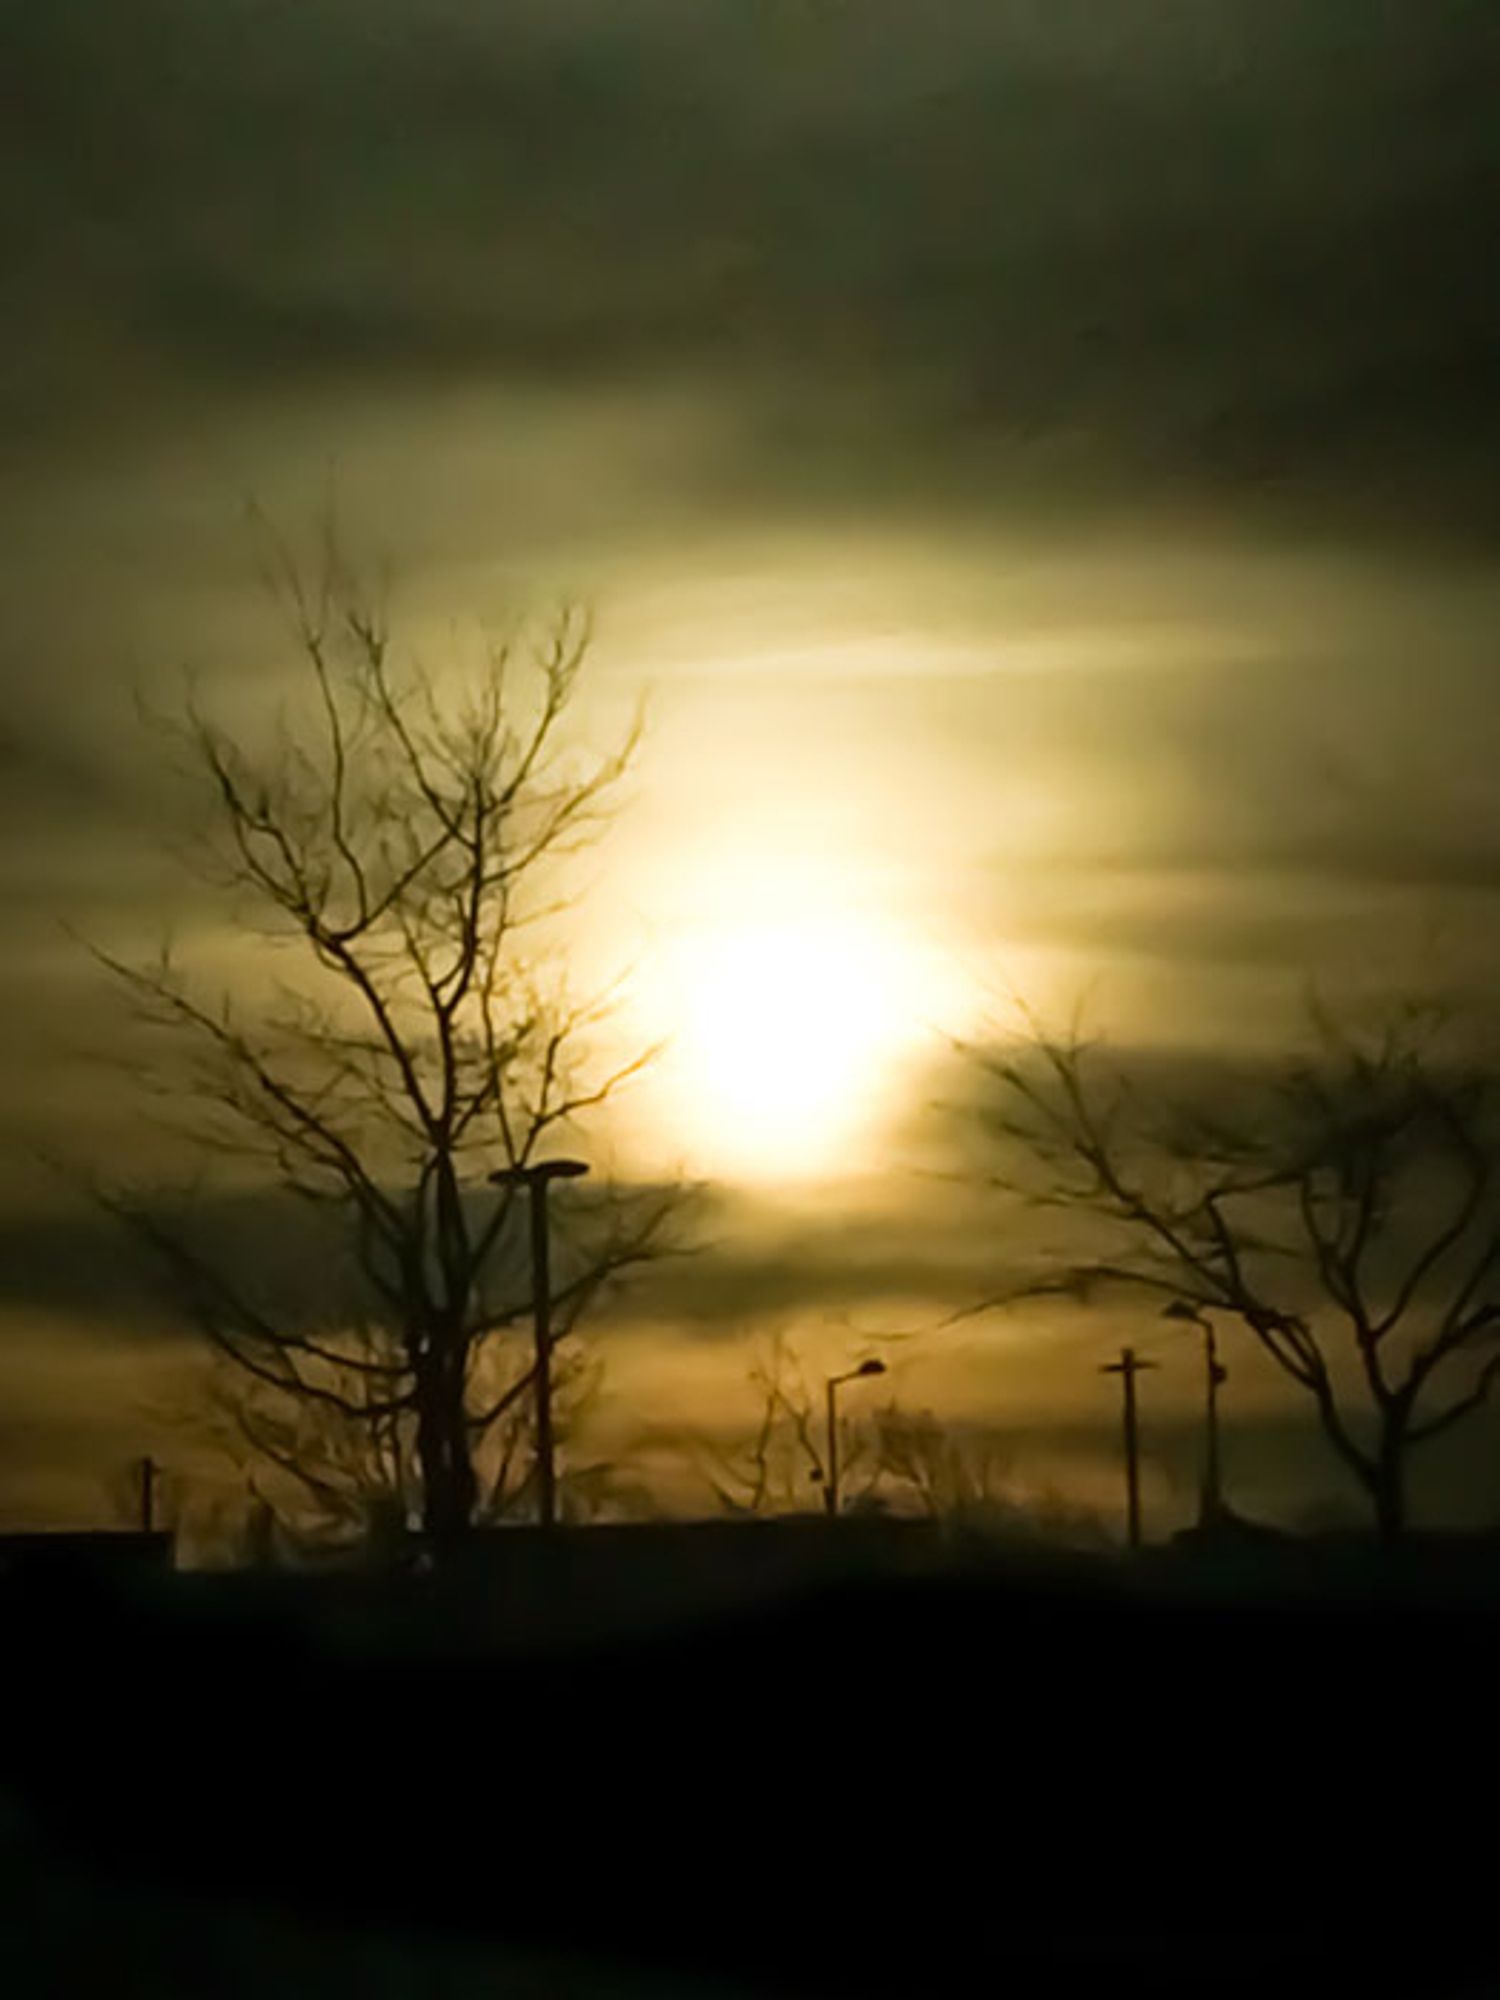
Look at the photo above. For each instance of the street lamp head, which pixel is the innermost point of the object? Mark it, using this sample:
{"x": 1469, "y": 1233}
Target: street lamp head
{"x": 865, "y": 1368}
{"x": 539, "y": 1170}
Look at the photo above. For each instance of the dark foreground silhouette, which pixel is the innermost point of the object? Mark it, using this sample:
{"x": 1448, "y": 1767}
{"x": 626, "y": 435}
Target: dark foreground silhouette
{"x": 1171, "y": 1779}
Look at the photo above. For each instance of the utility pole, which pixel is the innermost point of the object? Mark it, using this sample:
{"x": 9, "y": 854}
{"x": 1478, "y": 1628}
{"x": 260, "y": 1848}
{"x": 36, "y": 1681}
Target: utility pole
{"x": 1127, "y": 1368}
{"x": 536, "y": 1180}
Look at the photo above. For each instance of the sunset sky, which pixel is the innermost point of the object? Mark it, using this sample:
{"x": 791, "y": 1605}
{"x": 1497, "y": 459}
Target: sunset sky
{"x": 1040, "y": 462}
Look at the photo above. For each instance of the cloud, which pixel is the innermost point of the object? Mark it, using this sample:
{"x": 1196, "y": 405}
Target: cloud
{"x": 907, "y": 1251}
{"x": 1234, "y": 245}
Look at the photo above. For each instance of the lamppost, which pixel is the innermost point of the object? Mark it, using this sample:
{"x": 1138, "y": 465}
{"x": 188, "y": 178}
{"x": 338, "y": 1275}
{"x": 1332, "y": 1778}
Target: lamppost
{"x": 536, "y": 1179}
{"x": 835, "y": 1382}
{"x": 1211, "y": 1499}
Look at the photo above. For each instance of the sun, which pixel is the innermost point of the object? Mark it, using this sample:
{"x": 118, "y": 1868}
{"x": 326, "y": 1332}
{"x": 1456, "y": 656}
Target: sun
{"x": 789, "y": 1041}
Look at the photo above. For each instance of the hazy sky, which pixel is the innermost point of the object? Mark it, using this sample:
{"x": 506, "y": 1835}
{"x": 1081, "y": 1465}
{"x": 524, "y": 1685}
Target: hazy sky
{"x": 1043, "y": 459}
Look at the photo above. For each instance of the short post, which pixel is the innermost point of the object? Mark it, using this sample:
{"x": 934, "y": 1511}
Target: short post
{"x": 150, "y": 1472}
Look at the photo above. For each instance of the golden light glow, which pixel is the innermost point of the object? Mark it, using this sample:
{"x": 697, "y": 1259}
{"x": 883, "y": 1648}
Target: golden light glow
{"x": 789, "y": 1040}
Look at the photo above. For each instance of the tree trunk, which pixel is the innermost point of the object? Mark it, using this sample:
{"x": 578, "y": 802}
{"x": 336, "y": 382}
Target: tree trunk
{"x": 449, "y": 1487}
{"x": 1388, "y": 1487}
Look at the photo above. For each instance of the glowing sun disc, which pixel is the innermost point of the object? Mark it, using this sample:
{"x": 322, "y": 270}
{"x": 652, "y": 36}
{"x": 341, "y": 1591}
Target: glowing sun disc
{"x": 786, "y": 1037}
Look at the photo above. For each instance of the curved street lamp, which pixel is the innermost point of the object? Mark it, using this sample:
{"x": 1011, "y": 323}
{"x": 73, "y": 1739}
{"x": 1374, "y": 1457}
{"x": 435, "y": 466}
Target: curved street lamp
{"x": 835, "y": 1382}
{"x": 1211, "y": 1499}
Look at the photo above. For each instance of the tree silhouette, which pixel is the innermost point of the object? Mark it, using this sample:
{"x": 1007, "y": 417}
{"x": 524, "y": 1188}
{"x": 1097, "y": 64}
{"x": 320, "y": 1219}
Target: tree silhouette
{"x": 782, "y": 1468}
{"x": 399, "y": 843}
{"x": 945, "y": 1476}
{"x": 330, "y": 1480}
{"x": 968, "y": 1480}
{"x": 1344, "y": 1208}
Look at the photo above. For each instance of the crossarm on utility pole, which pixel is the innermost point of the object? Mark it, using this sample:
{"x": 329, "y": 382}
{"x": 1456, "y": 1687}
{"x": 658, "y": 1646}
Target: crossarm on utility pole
{"x": 1127, "y": 1368}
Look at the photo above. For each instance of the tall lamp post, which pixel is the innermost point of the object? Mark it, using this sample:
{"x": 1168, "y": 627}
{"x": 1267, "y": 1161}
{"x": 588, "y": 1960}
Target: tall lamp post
{"x": 536, "y": 1180}
{"x": 1211, "y": 1499}
{"x": 835, "y": 1382}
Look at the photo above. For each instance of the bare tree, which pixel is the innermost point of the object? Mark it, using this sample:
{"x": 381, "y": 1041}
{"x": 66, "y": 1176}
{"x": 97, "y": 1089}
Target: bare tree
{"x": 944, "y": 1476}
{"x": 399, "y": 841}
{"x": 329, "y": 1480}
{"x": 1344, "y": 1208}
{"x": 968, "y": 1480}
{"x": 783, "y": 1466}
